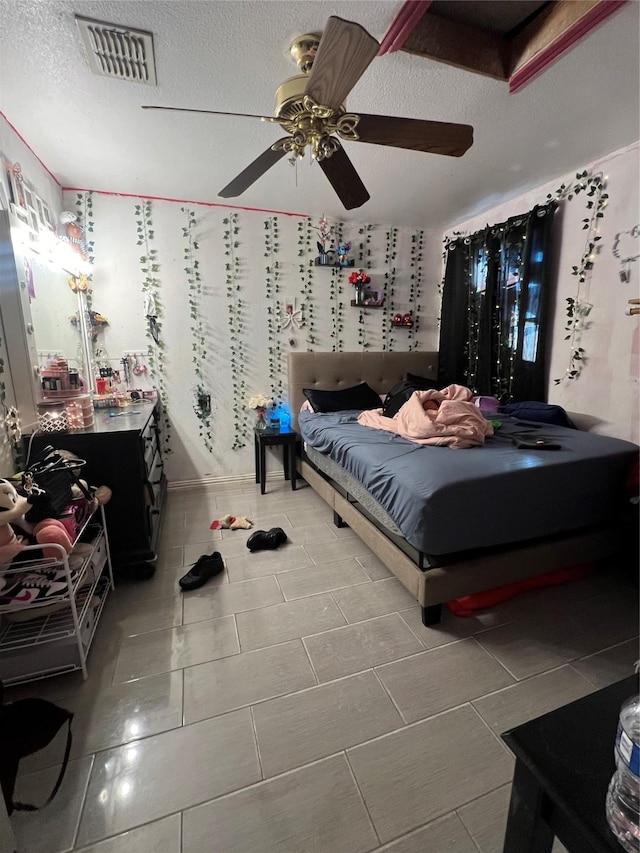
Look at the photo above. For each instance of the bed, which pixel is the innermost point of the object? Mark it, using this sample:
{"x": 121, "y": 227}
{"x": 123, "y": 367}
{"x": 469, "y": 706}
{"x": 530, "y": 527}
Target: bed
{"x": 473, "y": 519}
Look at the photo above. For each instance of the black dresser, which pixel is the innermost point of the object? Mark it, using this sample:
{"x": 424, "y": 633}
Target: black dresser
{"x": 123, "y": 450}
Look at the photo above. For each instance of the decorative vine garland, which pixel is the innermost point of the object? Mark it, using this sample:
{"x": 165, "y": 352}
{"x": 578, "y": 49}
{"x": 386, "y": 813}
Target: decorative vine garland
{"x": 235, "y": 309}
{"x": 274, "y": 307}
{"x": 306, "y": 247}
{"x": 84, "y": 208}
{"x": 202, "y": 406}
{"x": 389, "y": 287}
{"x": 151, "y": 290}
{"x": 415, "y": 287}
{"x": 578, "y": 307}
{"x": 305, "y": 276}
{"x": 337, "y": 307}
{"x": 365, "y": 259}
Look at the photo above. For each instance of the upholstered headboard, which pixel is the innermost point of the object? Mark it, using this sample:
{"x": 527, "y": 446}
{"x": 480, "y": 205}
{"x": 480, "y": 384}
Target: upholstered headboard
{"x": 330, "y": 370}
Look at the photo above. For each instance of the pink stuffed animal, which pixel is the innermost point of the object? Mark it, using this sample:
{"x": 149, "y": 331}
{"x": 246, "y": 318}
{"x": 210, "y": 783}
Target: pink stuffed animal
{"x": 50, "y": 531}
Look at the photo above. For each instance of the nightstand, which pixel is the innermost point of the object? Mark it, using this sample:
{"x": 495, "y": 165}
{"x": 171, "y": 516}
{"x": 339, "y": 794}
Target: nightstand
{"x": 288, "y": 440}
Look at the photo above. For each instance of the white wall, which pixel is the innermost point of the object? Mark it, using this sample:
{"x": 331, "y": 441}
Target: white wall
{"x": 605, "y": 395}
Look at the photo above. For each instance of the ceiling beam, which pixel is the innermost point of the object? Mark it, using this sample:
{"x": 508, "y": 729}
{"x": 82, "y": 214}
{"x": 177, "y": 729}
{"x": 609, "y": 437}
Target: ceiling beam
{"x": 410, "y": 13}
{"x": 556, "y": 29}
{"x": 436, "y": 37}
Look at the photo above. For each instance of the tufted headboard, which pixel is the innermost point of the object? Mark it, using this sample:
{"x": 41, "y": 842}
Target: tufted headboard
{"x": 329, "y": 370}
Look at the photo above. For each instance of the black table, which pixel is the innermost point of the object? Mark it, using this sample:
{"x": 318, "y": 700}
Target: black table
{"x": 564, "y": 763}
{"x": 269, "y": 437}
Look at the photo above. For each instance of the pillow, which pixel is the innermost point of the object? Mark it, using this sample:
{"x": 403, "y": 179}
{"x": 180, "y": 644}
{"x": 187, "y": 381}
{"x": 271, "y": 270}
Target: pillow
{"x": 533, "y": 410}
{"x": 398, "y": 396}
{"x": 421, "y": 383}
{"x": 359, "y": 397}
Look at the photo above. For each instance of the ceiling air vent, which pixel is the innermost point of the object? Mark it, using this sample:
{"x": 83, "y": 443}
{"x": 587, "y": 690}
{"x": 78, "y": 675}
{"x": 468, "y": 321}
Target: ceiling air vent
{"x": 118, "y": 52}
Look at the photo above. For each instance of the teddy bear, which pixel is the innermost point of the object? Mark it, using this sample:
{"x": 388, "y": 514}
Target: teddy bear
{"x": 49, "y": 531}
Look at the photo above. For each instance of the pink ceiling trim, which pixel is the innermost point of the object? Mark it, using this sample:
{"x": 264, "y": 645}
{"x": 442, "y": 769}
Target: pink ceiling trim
{"x": 26, "y": 144}
{"x": 184, "y": 201}
{"x": 576, "y": 31}
{"x": 410, "y": 13}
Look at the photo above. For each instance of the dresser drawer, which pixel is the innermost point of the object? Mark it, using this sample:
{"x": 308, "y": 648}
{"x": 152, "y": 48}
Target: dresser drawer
{"x": 150, "y": 445}
{"x": 155, "y": 477}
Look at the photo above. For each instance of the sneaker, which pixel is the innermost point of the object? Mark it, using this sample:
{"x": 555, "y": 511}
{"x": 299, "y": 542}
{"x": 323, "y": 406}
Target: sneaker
{"x": 266, "y": 540}
{"x": 204, "y": 568}
{"x": 36, "y": 587}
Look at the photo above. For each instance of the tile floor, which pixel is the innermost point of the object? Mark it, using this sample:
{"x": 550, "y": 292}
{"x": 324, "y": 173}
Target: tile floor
{"x": 296, "y": 703}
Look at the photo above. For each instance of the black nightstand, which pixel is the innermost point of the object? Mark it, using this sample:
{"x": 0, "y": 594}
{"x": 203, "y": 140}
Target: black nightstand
{"x": 288, "y": 440}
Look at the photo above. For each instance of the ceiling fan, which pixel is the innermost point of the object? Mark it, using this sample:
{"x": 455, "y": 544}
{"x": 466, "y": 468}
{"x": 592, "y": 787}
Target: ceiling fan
{"x": 310, "y": 108}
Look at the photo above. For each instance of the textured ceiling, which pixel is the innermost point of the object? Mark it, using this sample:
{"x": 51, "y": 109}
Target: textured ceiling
{"x": 91, "y": 133}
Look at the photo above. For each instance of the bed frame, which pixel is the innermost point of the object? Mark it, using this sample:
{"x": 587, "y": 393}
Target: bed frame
{"x": 431, "y": 585}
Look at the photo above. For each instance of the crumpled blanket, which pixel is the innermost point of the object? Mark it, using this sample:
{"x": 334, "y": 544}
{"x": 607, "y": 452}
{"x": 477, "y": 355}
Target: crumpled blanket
{"x": 445, "y": 417}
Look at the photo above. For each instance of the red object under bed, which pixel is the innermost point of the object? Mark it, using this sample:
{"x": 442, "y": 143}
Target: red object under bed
{"x": 467, "y": 604}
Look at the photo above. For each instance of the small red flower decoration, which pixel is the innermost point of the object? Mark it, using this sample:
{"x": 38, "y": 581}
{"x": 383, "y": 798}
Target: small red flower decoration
{"x": 359, "y": 277}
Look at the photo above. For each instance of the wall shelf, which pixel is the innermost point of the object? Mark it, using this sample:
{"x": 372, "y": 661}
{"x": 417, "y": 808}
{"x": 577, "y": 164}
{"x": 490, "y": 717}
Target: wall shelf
{"x": 355, "y": 304}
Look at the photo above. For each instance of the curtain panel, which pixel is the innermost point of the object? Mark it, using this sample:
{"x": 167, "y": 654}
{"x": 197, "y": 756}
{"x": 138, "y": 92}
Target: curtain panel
{"x": 495, "y": 298}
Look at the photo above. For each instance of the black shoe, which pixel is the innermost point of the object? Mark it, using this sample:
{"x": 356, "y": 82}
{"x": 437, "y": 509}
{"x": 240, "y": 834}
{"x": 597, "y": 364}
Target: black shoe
{"x": 204, "y": 568}
{"x": 266, "y": 540}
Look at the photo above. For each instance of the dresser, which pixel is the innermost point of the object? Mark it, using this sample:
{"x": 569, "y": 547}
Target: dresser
{"x": 123, "y": 450}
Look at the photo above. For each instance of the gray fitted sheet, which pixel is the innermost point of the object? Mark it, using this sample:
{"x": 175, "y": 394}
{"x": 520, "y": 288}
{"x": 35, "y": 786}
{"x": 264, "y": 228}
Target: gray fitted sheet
{"x": 445, "y": 501}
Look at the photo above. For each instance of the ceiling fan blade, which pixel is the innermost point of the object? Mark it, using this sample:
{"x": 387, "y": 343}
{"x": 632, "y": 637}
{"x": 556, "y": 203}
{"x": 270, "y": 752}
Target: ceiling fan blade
{"x": 273, "y": 119}
{"x": 346, "y": 49}
{"x": 344, "y": 179}
{"x": 436, "y": 137}
{"x": 253, "y": 171}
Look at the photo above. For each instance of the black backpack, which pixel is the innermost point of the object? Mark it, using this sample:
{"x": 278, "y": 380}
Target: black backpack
{"x": 26, "y": 726}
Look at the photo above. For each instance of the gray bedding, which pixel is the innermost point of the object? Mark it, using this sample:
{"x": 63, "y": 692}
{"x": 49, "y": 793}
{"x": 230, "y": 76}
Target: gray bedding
{"x": 446, "y": 501}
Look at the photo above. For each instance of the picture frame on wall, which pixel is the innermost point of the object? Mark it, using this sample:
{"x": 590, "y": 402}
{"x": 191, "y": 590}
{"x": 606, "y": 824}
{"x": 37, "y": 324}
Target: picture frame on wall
{"x": 17, "y": 190}
{"x": 47, "y": 216}
{"x": 20, "y": 213}
{"x": 6, "y": 181}
{"x": 31, "y": 206}
{"x": 44, "y": 216}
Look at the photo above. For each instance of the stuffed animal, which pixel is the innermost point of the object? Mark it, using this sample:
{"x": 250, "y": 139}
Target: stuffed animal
{"x": 47, "y": 532}
{"x": 232, "y": 521}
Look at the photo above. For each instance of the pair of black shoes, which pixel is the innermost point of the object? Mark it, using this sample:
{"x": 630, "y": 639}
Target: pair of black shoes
{"x": 204, "y": 568}
{"x": 266, "y": 540}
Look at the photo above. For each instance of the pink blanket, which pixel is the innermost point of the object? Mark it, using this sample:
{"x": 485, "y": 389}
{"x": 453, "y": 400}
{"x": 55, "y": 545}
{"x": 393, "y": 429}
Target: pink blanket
{"x": 435, "y": 417}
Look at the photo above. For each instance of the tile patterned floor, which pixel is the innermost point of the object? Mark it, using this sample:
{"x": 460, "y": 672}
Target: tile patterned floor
{"x": 296, "y": 703}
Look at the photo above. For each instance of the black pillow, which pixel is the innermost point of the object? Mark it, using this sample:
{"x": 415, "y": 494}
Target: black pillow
{"x": 398, "y": 396}
{"x": 421, "y": 383}
{"x": 359, "y": 397}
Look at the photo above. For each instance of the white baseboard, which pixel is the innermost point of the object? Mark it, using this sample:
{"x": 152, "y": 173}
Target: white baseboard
{"x": 180, "y": 485}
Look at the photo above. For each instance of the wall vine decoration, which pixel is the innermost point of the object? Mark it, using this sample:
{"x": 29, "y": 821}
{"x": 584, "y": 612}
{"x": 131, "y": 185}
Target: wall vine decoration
{"x": 306, "y": 246}
{"x": 235, "y": 310}
{"x": 365, "y": 260}
{"x": 578, "y": 307}
{"x": 149, "y": 267}
{"x": 337, "y": 307}
{"x": 415, "y": 286}
{"x": 202, "y": 396}
{"x": 274, "y": 307}
{"x": 84, "y": 212}
{"x": 389, "y": 287}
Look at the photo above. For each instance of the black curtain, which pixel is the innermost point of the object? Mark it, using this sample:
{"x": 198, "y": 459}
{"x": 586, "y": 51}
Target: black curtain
{"x": 494, "y": 317}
